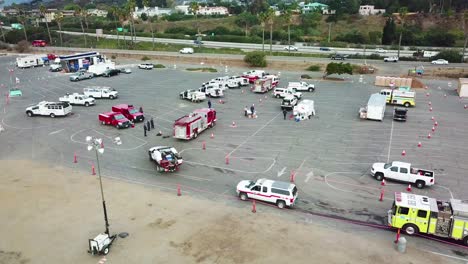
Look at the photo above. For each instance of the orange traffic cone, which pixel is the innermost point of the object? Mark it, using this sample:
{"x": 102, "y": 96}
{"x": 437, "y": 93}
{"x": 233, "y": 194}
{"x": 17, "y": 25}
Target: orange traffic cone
{"x": 403, "y": 153}
{"x": 409, "y": 188}
{"x": 383, "y": 182}
{"x": 212, "y": 135}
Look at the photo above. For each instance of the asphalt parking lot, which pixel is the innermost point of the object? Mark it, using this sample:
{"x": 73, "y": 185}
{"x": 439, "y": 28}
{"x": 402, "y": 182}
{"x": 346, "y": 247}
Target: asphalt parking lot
{"x": 330, "y": 154}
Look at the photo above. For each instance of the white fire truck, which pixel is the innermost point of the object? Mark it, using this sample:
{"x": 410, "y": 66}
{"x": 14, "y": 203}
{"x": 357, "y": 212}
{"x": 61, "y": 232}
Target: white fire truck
{"x": 189, "y": 126}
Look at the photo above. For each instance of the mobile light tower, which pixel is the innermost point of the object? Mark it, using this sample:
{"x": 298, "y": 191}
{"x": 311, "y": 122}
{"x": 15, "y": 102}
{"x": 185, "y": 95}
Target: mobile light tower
{"x": 102, "y": 242}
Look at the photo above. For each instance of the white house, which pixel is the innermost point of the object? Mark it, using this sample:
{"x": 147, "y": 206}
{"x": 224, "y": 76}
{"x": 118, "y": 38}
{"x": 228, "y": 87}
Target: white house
{"x": 315, "y": 7}
{"x": 97, "y": 12}
{"x": 203, "y": 10}
{"x": 367, "y": 10}
{"x": 151, "y": 11}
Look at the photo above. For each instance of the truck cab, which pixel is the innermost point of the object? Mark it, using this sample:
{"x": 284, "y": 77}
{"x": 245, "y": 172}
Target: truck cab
{"x": 403, "y": 172}
{"x": 280, "y": 193}
{"x": 114, "y": 119}
{"x": 130, "y": 112}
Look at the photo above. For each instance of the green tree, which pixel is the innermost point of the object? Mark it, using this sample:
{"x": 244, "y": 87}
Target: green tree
{"x": 403, "y": 12}
{"x": 193, "y": 8}
{"x": 70, "y": 7}
{"x": 263, "y": 18}
{"x": 338, "y": 68}
{"x": 246, "y": 20}
{"x": 388, "y": 34}
{"x": 131, "y": 4}
{"x": 22, "y": 18}
{"x": 59, "y": 20}
{"x": 258, "y": 6}
{"x": 270, "y": 15}
{"x": 78, "y": 13}
{"x": 43, "y": 11}
{"x": 256, "y": 59}
{"x": 114, "y": 11}
{"x": 144, "y": 17}
{"x": 147, "y": 4}
{"x": 287, "y": 18}
{"x": 123, "y": 16}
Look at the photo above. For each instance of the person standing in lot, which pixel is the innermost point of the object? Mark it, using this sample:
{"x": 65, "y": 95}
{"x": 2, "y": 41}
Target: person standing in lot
{"x": 245, "y": 111}
{"x": 252, "y": 109}
{"x": 152, "y": 123}
{"x": 285, "y": 112}
{"x": 141, "y": 109}
{"x": 148, "y": 125}
{"x": 144, "y": 129}
{"x": 209, "y": 103}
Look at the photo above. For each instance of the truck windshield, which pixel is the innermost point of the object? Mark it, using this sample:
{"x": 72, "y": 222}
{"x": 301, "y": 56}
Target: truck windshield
{"x": 251, "y": 183}
{"x": 119, "y": 116}
{"x": 133, "y": 111}
{"x": 387, "y": 165}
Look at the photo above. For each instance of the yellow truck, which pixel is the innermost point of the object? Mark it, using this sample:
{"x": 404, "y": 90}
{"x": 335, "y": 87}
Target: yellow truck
{"x": 420, "y": 214}
{"x": 403, "y": 96}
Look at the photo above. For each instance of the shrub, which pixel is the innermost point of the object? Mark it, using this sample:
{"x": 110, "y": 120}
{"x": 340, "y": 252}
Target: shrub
{"x": 145, "y": 58}
{"x": 113, "y": 57}
{"x": 314, "y": 68}
{"x": 338, "y": 68}
{"x": 202, "y": 69}
{"x": 256, "y": 59}
{"x": 22, "y": 46}
{"x": 159, "y": 66}
{"x": 305, "y": 76}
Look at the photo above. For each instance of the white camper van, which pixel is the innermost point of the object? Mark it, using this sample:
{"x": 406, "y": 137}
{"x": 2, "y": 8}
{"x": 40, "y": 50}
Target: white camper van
{"x": 304, "y": 110}
{"x": 375, "y": 108}
{"x": 31, "y": 61}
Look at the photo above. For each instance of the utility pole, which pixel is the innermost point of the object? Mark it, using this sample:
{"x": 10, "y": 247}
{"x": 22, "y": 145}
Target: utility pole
{"x": 365, "y": 58}
{"x": 399, "y": 45}
{"x": 329, "y": 32}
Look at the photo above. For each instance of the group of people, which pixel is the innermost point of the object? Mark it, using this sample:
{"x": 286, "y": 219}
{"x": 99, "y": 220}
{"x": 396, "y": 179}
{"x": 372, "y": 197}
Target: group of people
{"x": 252, "y": 111}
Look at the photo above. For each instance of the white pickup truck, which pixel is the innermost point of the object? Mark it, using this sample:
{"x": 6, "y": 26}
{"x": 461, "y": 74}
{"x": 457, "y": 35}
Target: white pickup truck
{"x": 77, "y": 99}
{"x": 193, "y": 95}
{"x": 301, "y": 86}
{"x": 403, "y": 172}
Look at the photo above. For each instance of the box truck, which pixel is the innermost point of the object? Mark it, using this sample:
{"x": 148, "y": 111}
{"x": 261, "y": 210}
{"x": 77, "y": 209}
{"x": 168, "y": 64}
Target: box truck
{"x": 375, "y": 108}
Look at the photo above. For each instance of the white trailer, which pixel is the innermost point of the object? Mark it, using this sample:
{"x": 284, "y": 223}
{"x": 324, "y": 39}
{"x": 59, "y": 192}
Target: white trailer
{"x": 304, "y": 110}
{"x": 31, "y": 61}
{"x": 375, "y": 108}
{"x": 99, "y": 68}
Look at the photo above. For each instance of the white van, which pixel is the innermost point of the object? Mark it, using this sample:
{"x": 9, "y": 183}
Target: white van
{"x": 186, "y": 51}
{"x": 375, "y": 108}
{"x": 304, "y": 110}
{"x": 101, "y": 92}
{"x": 51, "y": 109}
{"x": 280, "y": 193}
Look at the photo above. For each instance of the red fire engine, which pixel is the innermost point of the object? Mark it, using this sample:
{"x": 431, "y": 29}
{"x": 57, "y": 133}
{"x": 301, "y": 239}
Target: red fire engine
{"x": 189, "y": 126}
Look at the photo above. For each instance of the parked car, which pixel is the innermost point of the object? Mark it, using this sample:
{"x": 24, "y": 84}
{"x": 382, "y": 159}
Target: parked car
{"x": 380, "y": 50}
{"x": 111, "y": 72}
{"x": 440, "y": 62}
{"x": 146, "y": 66}
{"x": 338, "y": 57}
{"x": 291, "y": 48}
{"x": 55, "y": 67}
{"x": 399, "y": 114}
{"x": 403, "y": 172}
{"x": 186, "y": 51}
{"x": 391, "y": 59}
{"x": 81, "y": 75}
{"x": 280, "y": 193}
{"x": 125, "y": 70}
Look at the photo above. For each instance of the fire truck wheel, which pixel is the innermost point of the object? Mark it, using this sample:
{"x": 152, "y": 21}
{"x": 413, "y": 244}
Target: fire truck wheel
{"x": 106, "y": 251}
{"x": 410, "y": 229}
{"x": 420, "y": 184}
{"x": 243, "y": 196}
{"x": 281, "y": 204}
{"x": 379, "y": 176}
{"x": 465, "y": 241}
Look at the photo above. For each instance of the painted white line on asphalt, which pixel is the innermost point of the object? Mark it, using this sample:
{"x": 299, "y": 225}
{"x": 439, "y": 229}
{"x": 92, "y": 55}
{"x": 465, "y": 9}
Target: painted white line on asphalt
{"x": 448, "y": 256}
{"x": 448, "y": 189}
{"x": 390, "y": 142}
{"x": 55, "y": 132}
{"x": 256, "y": 132}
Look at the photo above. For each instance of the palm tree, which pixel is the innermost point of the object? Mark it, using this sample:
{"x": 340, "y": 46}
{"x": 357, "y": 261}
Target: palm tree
{"x": 263, "y": 19}
{"x": 43, "y": 11}
{"x": 403, "y": 12}
{"x": 59, "y": 19}
{"x": 147, "y": 4}
{"x": 131, "y": 4}
{"x": 114, "y": 10}
{"x": 22, "y": 18}
{"x": 270, "y": 14}
{"x": 194, "y": 7}
{"x": 287, "y": 16}
{"x": 85, "y": 15}
{"x": 123, "y": 15}
{"x": 78, "y": 13}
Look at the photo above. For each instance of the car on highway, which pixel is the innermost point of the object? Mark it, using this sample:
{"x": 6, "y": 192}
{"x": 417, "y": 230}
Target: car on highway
{"x": 125, "y": 70}
{"x": 380, "y": 50}
{"x": 291, "y": 48}
{"x": 391, "y": 59}
{"x": 440, "y": 62}
{"x": 325, "y": 49}
{"x": 146, "y": 66}
{"x": 198, "y": 42}
{"x": 111, "y": 72}
{"x": 186, "y": 51}
{"x": 338, "y": 57}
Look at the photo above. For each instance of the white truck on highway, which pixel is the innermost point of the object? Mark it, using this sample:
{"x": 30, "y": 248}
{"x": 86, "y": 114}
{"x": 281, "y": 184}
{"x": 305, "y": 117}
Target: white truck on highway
{"x": 101, "y": 92}
{"x": 403, "y": 172}
{"x": 193, "y": 95}
{"x": 77, "y": 99}
{"x": 301, "y": 86}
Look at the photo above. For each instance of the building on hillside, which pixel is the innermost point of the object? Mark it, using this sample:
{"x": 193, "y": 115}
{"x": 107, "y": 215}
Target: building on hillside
{"x": 68, "y": 13}
{"x": 151, "y": 11}
{"x": 97, "y": 12}
{"x": 49, "y": 16}
{"x": 316, "y": 7}
{"x": 368, "y": 10}
{"x": 204, "y": 10}
{"x": 10, "y": 12}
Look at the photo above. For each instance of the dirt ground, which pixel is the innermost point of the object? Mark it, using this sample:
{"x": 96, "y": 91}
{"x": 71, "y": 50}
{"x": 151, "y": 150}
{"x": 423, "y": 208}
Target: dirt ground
{"x": 48, "y": 213}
